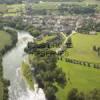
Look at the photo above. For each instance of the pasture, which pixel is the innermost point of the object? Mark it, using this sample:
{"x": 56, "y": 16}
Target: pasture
{"x": 83, "y": 48}
{"x": 83, "y": 78}
{"x": 5, "y": 39}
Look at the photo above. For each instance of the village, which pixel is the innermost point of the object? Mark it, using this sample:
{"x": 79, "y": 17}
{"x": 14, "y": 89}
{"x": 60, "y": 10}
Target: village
{"x": 56, "y": 24}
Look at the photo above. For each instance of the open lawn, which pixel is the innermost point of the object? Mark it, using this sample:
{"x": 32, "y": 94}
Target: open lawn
{"x": 1, "y": 90}
{"x": 83, "y": 48}
{"x": 15, "y": 8}
{"x": 83, "y": 78}
{"x": 45, "y": 39}
{"x": 5, "y": 39}
{"x": 27, "y": 75}
{"x": 55, "y": 5}
{"x": 12, "y": 9}
{"x": 46, "y": 5}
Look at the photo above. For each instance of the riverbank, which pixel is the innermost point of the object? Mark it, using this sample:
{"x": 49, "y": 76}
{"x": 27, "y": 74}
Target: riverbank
{"x": 18, "y": 89}
{"x": 27, "y": 75}
{"x": 8, "y": 40}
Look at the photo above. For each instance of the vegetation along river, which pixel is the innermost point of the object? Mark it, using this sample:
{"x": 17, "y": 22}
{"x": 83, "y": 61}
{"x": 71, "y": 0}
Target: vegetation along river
{"x": 12, "y": 61}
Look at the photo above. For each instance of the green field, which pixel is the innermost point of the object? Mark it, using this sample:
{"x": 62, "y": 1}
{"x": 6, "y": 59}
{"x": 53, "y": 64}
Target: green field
{"x": 83, "y": 47}
{"x": 5, "y": 39}
{"x": 83, "y": 78}
{"x": 45, "y": 39}
{"x": 15, "y": 9}
{"x": 46, "y": 5}
{"x": 1, "y": 90}
{"x": 27, "y": 75}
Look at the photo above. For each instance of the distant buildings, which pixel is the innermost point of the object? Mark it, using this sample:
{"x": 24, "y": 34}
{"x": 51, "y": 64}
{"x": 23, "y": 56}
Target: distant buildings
{"x": 52, "y": 24}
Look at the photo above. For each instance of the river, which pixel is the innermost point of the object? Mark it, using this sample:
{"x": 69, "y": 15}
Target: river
{"x": 12, "y": 61}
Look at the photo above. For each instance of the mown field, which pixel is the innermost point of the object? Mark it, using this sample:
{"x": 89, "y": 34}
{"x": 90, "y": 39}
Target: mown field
{"x": 83, "y": 47}
{"x": 83, "y": 78}
{"x": 5, "y": 39}
{"x": 45, "y": 39}
{"x": 1, "y": 90}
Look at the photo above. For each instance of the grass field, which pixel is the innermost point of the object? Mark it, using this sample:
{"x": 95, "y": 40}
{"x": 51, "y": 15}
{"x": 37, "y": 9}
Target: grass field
{"x": 45, "y": 39}
{"x": 82, "y": 47}
{"x": 15, "y": 9}
{"x": 27, "y": 75}
{"x": 55, "y": 5}
{"x": 5, "y": 39}
{"x": 83, "y": 78}
{"x": 46, "y": 5}
{"x": 1, "y": 90}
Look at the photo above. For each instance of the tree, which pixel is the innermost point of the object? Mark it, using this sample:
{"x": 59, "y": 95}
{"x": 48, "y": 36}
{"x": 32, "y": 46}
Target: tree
{"x": 47, "y": 73}
{"x": 73, "y": 94}
{"x": 69, "y": 42}
{"x": 94, "y": 48}
{"x": 98, "y": 51}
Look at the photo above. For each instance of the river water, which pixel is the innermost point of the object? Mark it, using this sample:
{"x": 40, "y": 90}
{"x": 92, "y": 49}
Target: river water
{"x": 12, "y": 61}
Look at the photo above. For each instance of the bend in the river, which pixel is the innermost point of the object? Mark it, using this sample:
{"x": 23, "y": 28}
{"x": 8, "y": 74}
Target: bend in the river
{"x": 12, "y": 60}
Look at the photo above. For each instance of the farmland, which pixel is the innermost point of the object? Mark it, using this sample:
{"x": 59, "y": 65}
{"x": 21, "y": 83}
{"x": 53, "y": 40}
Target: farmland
{"x": 5, "y": 39}
{"x": 57, "y": 50}
{"x": 83, "y": 47}
{"x": 83, "y": 78}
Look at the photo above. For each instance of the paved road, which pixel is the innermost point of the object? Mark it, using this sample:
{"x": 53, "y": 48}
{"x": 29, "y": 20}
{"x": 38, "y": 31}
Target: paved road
{"x": 64, "y": 43}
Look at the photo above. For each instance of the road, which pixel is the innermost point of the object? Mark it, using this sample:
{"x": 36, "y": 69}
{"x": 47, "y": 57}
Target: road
{"x": 64, "y": 43}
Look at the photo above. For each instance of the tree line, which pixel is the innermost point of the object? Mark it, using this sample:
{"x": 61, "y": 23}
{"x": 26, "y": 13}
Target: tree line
{"x": 97, "y": 50}
{"x": 77, "y": 9}
{"x": 19, "y": 24}
{"x": 10, "y": 1}
{"x": 84, "y": 63}
{"x": 47, "y": 74}
{"x": 88, "y": 25}
{"x": 74, "y": 94}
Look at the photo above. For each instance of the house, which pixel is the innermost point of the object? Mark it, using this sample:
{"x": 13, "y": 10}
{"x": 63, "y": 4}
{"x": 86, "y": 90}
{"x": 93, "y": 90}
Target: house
{"x": 92, "y": 32}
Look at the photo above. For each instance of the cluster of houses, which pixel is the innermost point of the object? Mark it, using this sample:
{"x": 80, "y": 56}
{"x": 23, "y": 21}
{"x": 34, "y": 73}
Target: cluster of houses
{"x": 56, "y": 24}
{"x": 52, "y": 24}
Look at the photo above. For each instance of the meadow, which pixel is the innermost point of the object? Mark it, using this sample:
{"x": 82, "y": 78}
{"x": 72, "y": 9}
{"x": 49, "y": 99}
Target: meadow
{"x": 83, "y": 78}
{"x": 45, "y": 39}
{"x": 1, "y": 90}
{"x": 83, "y": 47}
{"x": 5, "y": 39}
{"x": 15, "y": 9}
